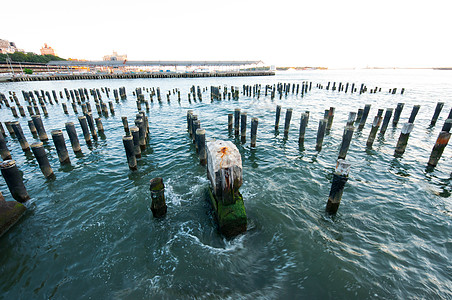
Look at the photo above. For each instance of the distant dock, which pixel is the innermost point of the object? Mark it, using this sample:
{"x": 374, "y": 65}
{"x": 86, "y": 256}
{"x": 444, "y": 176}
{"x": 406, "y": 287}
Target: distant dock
{"x": 88, "y": 76}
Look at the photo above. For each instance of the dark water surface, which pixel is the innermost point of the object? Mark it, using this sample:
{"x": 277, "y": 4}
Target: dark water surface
{"x": 90, "y": 232}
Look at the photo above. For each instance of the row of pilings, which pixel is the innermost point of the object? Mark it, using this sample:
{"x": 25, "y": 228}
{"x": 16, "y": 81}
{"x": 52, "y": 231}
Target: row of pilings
{"x": 82, "y": 76}
{"x": 136, "y": 138}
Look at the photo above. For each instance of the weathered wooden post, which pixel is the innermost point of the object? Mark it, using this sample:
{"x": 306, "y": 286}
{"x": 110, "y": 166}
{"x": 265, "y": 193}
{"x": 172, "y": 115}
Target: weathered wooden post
{"x": 40, "y": 128}
{"x": 72, "y": 133}
{"x": 243, "y": 116}
{"x": 439, "y": 107}
{"x": 60, "y": 145}
{"x": 158, "y": 205}
{"x": 41, "y": 157}
{"x": 92, "y": 127}
{"x": 320, "y": 134}
{"x": 414, "y": 112}
{"x": 340, "y": 177}
{"x": 397, "y": 113}
{"x": 201, "y": 145}
{"x": 330, "y": 119}
{"x": 373, "y": 132}
{"x": 346, "y": 140}
{"x": 130, "y": 153}
{"x": 441, "y": 143}
{"x": 85, "y": 129}
{"x": 126, "y": 125}
{"x": 14, "y": 180}
{"x": 20, "y": 136}
{"x": 287, "y": 122}
{"x": 4, "y": 151}
{"x": 224, "y": 172}
{"x": 99, "y": 125}
{"x": 403, "y": 138}
{"x": 236, "y": 121}
{"x": 278, "y": 114}
{"x": 364, "y": 116}
{"x": 303, "y": 124}
{"x": 230, "y": 122}
{"x": 254, "y": 123}
{"x": 386, "y": 120}
{"x": 135, "y": 133}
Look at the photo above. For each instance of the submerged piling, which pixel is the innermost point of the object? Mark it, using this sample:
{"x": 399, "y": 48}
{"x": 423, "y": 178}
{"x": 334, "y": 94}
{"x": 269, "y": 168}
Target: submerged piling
{"x": 72, "y": 133}
{"x": 340, "y": 177}
{"x": 4, "y": 151}
{"x": 403, "y": 138}
{"x": 439, "y": 107}
{"x": 441, "y": 143}
{"x": 158, "y": 205}
{"x": 303, "y": 124}
{"x": 346, "y": 140}
{"x": 397, "y": 113}
{"x": 254, "y": 123}
{"x": 130, "y": 152}
{"x": 287, "y": 122}
{"x": 278, "y": 114}
{"x": 41, "y": 157}
{"x": 20, "y": 136}
{"x": 40, "y": 128}
{"x": 320, "y": 134}
{"x": 60, "y": 145}
{"x": 14, "y": 180}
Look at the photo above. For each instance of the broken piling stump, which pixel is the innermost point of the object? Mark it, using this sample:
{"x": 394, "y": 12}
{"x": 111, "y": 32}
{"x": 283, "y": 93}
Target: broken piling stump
{"x": 224, "y": 171}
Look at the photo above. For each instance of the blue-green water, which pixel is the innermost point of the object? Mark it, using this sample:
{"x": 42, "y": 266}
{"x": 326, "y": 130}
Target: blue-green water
{"x": 90, "y": 232}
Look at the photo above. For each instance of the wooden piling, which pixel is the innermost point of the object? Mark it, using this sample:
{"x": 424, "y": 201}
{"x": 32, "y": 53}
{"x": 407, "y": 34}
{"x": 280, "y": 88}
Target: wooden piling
{"x": 386, "y": 120}
{"x": 85, "y": 129}
{"x": 243, "y": 126}
{"x": 158, "y": 205}
{"x": 126, "y": 125}
{"x": 362, "y": 122}
{"x": 236, "y": 121}
{"x": 373, "y": 132}
{"x": 403, "y": 138}
{"x": 254, "y": 123}
{"x": 72, "y": 133}
{"x": 330, "y": 118}
{"x": 41, "y": 157}
{"x": 287, "y": 122}
{"x": 278, "y": 114}
{"x": 439, "y": 107}
{"x": 92, "y": 126}
{"x": 40, "y": 128}
{"x": 20, "y": 136}
{"x": 201, "y": 145}
{"x": 320, "y": 134}
{"x": 224, "y": 172}
{"x": 441, "y": 143}
{"x": 135, "y": 133}
{"x": 303, "y": 124}
{"x": 230, "y": 122}
{"x": 130, "y": 152}
{"x": 4, "y": 151}
{"x": 414, "y": 112}
{"x": 397, "y": 113}
{"x": 14, "y": 180}
{"x": 60, "y": 145}
{"x": 346, "y": 140}
{"x": 340, "y": 177}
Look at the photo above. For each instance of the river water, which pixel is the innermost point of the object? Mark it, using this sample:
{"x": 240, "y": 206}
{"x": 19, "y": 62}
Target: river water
{"x": 90, "y": 234}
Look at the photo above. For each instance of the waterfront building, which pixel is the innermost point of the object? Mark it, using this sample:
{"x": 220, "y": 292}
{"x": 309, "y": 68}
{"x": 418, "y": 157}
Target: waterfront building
{"x": 115, "y": 57}
{"x": 47, "y": 50}
{"x": 8, "y": 47}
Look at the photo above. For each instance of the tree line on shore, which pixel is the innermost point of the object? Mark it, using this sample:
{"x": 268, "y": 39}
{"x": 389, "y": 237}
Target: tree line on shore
{"x": 29, "y": 57}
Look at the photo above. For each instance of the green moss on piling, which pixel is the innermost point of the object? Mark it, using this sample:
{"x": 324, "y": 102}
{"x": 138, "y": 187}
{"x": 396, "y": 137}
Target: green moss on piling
{"x": 231, "y": 218}
{"x": 10, "y": 213}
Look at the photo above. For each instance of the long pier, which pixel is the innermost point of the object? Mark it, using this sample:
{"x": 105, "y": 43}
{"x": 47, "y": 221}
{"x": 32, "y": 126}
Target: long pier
{"x": 48, "y": 77}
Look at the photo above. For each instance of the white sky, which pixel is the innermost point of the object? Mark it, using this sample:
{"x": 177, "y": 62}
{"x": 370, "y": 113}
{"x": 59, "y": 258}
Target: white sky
{"x": 329, "y": 33}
